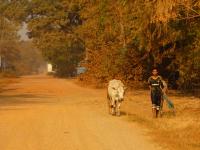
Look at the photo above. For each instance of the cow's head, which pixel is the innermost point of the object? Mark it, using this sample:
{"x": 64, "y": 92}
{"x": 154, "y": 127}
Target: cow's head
{"x": 120, "y": 91}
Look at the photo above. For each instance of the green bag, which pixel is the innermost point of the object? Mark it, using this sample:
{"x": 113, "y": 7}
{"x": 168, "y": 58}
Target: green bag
{"x": 169, "y": 102}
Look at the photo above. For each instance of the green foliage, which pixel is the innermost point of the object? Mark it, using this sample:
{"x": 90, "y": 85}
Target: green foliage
{"x": 130, "y": 37}
{"x": 51, "y": 24}
{"x": 122, "y": 38}
{"x": 10, "y": 19}
{"x": 17, "y": 58}
{"x": 30, "y": 60}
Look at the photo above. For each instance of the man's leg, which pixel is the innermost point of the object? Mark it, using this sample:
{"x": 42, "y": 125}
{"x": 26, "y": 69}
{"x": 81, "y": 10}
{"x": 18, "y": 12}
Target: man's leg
{"x": 153, "y": 104}
{"x": 154, "y": 110}
{"x": 158, "y": 104}
{"x": 161, "y": 106}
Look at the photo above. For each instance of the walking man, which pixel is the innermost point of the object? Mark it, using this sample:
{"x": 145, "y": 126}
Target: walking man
{"x": 156, "y": 86}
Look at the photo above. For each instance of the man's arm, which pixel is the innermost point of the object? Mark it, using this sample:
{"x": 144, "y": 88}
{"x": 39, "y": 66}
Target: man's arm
{"x": 164, "y": 87}
{"x": 150, "y": 88}
{"x": 149, "y": 83}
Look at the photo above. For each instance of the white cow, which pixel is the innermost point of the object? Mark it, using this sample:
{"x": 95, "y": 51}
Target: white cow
{"x": 115, "y": 95}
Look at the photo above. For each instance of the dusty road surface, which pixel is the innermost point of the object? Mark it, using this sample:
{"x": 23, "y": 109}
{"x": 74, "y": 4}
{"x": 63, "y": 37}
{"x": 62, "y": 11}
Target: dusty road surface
{"x": 44, "y": 113}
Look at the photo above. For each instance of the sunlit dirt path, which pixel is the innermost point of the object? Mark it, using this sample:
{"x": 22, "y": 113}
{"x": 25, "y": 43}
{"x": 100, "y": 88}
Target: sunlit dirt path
{"x": 45, "y": 113}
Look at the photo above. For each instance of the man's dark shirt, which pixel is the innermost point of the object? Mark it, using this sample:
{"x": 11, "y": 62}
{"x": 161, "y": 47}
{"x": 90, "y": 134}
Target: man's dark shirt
{"x": 156, "y": 84}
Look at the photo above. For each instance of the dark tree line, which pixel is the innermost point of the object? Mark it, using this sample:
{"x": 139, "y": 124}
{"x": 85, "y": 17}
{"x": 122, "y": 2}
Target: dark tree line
{"x": 118, "y": 38}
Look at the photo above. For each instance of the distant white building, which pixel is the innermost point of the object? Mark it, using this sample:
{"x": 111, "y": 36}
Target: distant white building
{"x": 49, "y": 68}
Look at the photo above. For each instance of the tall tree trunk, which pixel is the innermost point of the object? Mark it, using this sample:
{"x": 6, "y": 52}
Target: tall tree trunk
{"x": 122, "y": 27}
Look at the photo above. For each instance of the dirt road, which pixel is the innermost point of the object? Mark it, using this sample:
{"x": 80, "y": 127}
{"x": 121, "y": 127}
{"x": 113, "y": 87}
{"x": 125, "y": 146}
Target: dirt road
{"x": 43, "y": 113}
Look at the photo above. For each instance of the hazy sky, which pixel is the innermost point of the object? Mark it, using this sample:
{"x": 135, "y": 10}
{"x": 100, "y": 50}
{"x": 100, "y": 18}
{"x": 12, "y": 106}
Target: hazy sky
{"x": 22, "y": 32}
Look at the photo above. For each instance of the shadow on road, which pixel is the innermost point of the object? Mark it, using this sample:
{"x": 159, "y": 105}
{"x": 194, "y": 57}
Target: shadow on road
{"x": 2, "y": 90}
{"x": 19, "y": 99}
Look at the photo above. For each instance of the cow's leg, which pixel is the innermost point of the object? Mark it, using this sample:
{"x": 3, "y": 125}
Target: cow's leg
{"x": 109, "y": 104}
{"x": 113, "y": 107}
{"x": 112, "y": 110}
{"x": 118, "y": 108}
{"x": 109, "y": 107}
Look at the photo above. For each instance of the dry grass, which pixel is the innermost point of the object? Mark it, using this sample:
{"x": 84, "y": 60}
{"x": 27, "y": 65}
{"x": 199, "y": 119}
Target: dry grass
{"x": 179, "y": 132}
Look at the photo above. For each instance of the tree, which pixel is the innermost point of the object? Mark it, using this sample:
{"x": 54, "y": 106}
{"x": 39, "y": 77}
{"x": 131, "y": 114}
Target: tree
{"x": 140, "y": 35}
{"x": 30, "y": 60}
{"x": 9, "y": 25}
{"x": 51, "y": 24}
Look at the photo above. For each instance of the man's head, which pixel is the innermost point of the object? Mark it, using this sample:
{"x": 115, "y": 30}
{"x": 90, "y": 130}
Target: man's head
{"x": 155, "y": 71}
